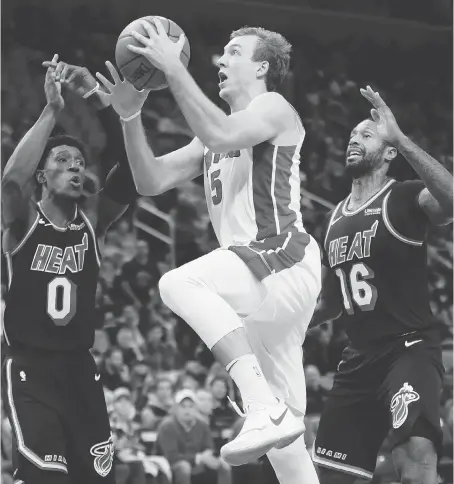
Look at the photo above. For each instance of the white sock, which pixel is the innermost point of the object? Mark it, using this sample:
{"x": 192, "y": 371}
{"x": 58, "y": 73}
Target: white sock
{"x": 293, "y": 464}
{"x": 248, "y": 376}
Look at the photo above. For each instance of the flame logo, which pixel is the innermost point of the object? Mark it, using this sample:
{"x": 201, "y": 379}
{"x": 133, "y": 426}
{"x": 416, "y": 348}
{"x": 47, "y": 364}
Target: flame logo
{"x": 400, "y": 402}
{"x": 103, "y": 454}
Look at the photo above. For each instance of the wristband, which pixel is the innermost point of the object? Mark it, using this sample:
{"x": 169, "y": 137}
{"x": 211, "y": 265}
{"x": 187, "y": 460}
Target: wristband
{"x": 131, "y": 117}
{"x": 89, "y": 93}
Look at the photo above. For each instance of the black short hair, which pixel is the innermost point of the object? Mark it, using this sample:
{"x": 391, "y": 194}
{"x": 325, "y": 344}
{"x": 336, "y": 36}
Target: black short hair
{"x": 62, "y": 140}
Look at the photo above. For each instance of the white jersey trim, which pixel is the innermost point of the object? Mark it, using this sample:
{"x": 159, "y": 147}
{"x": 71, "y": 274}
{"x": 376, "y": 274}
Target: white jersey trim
{"x": 273, "y": 196}
{"x": 348, "y": 469}
{"x": 349, "y": 213}
{"x": 56, "y": 227}
{"x": 331, "y": 222}
{"x": 92, "y": 231}
{"x": 23, "y": 449}
{"x": 392, "y": 230}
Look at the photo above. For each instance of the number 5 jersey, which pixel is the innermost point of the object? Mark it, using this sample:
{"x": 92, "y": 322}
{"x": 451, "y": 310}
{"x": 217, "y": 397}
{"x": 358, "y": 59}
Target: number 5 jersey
{"x": 379, "y": 254}
{"x": 52, "y": 274}
{"x": 253, "y": 198}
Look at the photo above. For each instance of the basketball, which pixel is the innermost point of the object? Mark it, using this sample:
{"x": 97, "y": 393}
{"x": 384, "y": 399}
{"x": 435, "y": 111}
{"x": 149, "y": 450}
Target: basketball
{"x": 138, "y": 70}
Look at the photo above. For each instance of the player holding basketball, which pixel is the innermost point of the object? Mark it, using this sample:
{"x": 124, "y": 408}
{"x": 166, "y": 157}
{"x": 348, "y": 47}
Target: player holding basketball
{"x": 51, "y": 389}
{"x": 375, "y": 254}
{"x": 251, "y": 300}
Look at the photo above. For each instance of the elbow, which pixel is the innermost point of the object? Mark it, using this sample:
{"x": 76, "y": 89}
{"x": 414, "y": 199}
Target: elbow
{"x": 149, "y": 190}
{"x": 219, "y": 141}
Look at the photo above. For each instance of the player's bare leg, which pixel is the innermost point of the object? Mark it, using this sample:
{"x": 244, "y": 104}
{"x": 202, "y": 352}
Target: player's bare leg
{"x": 210, "y": 294}
{"x": 416, "y": 461}
{"x": 330, "y": 476}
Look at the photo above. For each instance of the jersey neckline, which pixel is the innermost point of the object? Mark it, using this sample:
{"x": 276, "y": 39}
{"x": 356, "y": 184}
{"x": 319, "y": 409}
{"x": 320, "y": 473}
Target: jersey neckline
{"x": 349, "y": 213}
{"x": 56, "y": 227}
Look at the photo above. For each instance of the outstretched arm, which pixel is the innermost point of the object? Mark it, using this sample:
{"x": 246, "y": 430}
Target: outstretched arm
{"x": 262, "y": 120}
{"x": 152, "y": 175}
{"x": 118, "y": 189}
{"x": 437, "y": 198}
{"x": 18, "y": 178}
{"x": 329, "y": 305}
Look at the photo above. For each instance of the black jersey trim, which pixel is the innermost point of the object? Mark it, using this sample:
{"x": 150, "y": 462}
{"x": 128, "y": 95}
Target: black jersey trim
{"x": 23, "y": 449}
{"x": 392, "y": 230}
{"x": 27, "y": 235}
{"x": 92, "y": 231}
{"x": 349, "y": 213}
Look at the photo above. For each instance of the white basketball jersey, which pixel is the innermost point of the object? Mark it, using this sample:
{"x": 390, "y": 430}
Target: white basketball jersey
{"x": 254, "y": 194}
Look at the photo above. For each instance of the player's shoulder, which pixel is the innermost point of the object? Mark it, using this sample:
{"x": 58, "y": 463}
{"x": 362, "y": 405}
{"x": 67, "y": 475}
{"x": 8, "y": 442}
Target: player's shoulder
{"x": 403, "y": 210}
{"x": 407, "y": 188}
{"x": 269, "y": 101}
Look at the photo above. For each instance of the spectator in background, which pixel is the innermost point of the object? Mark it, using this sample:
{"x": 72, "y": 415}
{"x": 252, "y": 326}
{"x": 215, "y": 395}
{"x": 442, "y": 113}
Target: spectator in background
{"x": 114, "y": 372}
{"x": 223, "y": 416}
{"x": 131, "y": 319}
{"x": 129, "y": 346}
{"x": 186, "y": 381}
{"x": 204, "y": 405}
{"x": 159, "y": 404}
{"x": 187, "y": 444}
{"x": 137, "y": 276}
{"x": 162, "y": 353}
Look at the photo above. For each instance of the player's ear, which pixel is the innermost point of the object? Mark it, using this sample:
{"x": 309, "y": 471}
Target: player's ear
{"x": 263, "y": 69}
{"x": 390, "y": 153}
{"x": 41, "y": 177}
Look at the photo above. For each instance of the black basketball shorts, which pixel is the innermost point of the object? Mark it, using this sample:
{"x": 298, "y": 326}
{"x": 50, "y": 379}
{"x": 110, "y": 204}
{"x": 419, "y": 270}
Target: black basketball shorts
{"x": 380, "y": 394}
{"x": 56, "y": 406}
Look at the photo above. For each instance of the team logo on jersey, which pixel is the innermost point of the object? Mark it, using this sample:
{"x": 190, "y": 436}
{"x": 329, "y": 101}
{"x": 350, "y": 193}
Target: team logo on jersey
{"x": 400, "y": 402}
{"x": 103, "y": 454}
{"x": 76, "y": 226}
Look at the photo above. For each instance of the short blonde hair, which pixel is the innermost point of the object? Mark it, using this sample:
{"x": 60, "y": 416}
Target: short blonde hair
{"x": 271, "y": 47}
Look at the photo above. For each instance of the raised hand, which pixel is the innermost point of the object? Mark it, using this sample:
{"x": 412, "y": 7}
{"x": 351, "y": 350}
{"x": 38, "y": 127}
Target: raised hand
{"x": 158, "y": 48}
{"x": 387, "y": 126}
{"x": 77, "y": 79}
{"x": 124, "y": 97}
{"x": 52, "y": 88}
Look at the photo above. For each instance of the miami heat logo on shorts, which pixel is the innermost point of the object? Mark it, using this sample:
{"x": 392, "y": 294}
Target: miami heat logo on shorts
{"x": 103, "y": 454}
{"x": 400, "y": 402}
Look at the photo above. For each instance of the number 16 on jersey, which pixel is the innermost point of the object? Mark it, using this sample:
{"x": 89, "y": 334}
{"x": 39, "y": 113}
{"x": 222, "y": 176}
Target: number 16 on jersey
{"x": 356, "y": 288}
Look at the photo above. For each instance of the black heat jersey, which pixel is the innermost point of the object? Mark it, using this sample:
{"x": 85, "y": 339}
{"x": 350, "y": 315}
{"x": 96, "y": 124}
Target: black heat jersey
{"x": 379, "y": 254}
{"x": 53, "y": 273}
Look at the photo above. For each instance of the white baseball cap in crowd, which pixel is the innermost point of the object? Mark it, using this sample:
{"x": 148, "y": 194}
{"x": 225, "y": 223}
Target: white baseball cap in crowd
{"x": 185, "y": 394}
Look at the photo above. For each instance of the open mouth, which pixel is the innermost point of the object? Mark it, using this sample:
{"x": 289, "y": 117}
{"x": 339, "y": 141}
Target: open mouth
{"x": 222, "y": 78}
{"x": 75, "y": 181}
{"x": 353, "y": 153}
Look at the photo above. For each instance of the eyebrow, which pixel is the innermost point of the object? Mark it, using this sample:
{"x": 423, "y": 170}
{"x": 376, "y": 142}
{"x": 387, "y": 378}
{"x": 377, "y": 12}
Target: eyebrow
{"x": 232, "y": 45}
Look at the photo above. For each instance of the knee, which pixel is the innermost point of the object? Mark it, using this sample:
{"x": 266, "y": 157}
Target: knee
{"x": 182, "y": 468}
{"x": 170, "y": 285}
{"x": 416, "y": 461}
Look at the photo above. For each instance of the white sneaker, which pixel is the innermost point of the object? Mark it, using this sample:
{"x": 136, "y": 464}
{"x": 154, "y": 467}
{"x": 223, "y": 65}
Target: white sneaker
{"x": 265, "y": 427}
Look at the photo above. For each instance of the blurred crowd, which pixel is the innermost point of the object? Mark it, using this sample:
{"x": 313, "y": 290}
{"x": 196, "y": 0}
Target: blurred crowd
{"x": 167, "y": 398}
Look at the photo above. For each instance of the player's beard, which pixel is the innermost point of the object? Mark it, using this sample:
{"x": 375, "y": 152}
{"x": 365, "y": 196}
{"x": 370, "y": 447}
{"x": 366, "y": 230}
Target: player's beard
{"x": 365, "y": 165}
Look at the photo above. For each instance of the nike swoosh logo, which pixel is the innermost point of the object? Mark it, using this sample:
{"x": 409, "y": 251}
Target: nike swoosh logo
{"x": 97, "y": 377}
{"x": 411, "y": 343}
{"x": 336, "y": 220}
{"x": 278, "y": 421}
